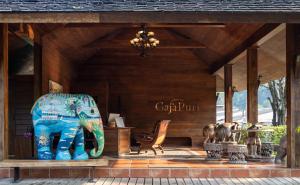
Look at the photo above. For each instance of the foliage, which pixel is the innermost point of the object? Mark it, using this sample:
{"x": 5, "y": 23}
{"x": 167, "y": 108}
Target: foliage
{"x": 298, "y": 129}
{"x": 277, "y": 100}
{"x": 240, "y": 100}
{"x": 220, "y": 98}
{"x": 275, "y": 136}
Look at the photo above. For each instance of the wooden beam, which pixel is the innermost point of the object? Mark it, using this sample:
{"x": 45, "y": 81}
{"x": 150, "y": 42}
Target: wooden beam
{"x": 37, "y": 53}
{"x": 151, "y": 25}
{"x": 293, "y": 94}
{"x": 153, "y": 17}
{"x": 252, "y": 85}
{"x": 3, "y": 91}
{"x": 228, "y": 89}
{"x": 259, "y": 34}
{"x": 164, "y": 44}
{"x": 108, "y": 41}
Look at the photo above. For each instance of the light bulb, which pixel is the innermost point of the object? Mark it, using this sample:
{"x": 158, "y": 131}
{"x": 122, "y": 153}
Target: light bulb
{"x": 150, "y": 33}
{"x": 152, "y": 39}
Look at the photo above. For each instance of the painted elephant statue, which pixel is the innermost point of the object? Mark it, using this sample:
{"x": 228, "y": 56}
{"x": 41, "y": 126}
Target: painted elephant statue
{"x": 281, "y": 150}
{"x": 66, "y": 114}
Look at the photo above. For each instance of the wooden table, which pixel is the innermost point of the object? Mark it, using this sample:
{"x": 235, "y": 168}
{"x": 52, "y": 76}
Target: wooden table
{"x": 117, "y": 140}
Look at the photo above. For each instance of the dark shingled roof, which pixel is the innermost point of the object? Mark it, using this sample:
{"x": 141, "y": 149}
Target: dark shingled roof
{"x": 148, "y": 5}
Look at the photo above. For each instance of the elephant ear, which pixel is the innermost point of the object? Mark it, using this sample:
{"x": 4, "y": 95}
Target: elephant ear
{"x": 36, "y": 103}
{"x": 72, "y": 105}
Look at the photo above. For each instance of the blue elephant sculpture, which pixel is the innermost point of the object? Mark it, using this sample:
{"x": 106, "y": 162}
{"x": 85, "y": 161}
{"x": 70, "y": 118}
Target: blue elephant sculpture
{"x": 66, "y": 114}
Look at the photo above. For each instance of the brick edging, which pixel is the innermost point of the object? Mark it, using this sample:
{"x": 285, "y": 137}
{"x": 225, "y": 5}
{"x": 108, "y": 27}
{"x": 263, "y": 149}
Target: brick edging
{"x": 151, "y": 172}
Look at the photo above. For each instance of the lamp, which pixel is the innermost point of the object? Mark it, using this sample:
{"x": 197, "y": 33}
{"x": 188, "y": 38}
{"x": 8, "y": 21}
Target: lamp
{"x": 144, "y": 40}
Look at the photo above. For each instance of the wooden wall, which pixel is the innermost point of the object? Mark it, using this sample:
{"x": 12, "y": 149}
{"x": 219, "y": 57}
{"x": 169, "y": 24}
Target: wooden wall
{"x": 136, "y": 84}
{"x": 20, "y": 103}
{"x": 56, "y": 66}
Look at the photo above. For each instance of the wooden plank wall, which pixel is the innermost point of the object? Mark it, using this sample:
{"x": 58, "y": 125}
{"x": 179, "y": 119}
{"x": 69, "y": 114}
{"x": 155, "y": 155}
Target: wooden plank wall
{"x": 98, "y": 90}
{"x": 21, "y": 100}
{"x": 56, "y": 66}
{"x": 136, "y": 84}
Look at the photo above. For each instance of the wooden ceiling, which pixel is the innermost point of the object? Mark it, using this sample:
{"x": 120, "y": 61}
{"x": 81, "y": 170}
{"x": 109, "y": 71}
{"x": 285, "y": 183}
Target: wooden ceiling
{"x": 211, "y": 43}
{"x": 271, "y": 61}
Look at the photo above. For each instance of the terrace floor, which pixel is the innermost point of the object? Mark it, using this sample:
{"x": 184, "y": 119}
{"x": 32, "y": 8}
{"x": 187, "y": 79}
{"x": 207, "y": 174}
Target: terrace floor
{"x": 169, "y": 165}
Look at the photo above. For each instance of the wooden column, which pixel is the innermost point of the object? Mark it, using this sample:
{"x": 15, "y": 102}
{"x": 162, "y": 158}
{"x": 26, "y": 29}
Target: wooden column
{"x": 228, "y": 92}
{"x": 252, "y": 85}
{"x": 37, "y": 54}
{"x": 3, "y": 91}
{"x": 37, "y": 65}
{"x": 293, "y": 93}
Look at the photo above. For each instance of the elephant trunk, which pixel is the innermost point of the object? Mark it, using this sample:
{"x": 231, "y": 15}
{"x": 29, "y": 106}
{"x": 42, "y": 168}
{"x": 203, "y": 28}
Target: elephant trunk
{"x": 98, "y": 133}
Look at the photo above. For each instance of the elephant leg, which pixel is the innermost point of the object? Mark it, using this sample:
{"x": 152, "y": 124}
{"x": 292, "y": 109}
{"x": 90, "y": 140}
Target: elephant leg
{"x": 80, "y": 153}
{"x": 66, "y": 139}
{"x": 43, "y": 142}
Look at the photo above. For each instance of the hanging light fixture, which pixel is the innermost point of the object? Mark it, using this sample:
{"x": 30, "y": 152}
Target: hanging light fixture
{"x": 144, "y": 40}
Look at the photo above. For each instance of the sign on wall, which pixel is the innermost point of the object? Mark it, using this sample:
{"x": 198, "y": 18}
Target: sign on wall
{"x": 176, "y": 105}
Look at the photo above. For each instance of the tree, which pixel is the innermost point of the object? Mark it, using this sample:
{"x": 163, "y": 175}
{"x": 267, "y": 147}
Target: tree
{"x": 277, "y": 100}
{"x": 240, "y": 101}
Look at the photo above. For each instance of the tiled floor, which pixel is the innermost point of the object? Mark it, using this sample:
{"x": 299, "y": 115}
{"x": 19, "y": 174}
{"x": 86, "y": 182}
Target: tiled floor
{"x": 157, "y": 167}
{"x": 185, "y": 163}
{"x": 169, "y": 160}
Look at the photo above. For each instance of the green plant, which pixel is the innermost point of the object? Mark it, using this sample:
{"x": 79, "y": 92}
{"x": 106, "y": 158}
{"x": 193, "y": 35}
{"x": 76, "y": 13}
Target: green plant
{"x": 298, "y": 129}
{"x": 278, "y": 132}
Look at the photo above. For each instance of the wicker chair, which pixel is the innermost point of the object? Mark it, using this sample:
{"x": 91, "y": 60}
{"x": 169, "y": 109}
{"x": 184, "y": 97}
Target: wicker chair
{"x": 155, "y": 140}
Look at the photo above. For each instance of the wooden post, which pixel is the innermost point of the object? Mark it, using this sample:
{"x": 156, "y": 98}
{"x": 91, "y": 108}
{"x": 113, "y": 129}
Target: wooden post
{"x": 228, "y": 92}
{"x": 293, "y": 93}
{"x": 252, "y": 85}
{"x": 37, "y": 54}
{"x": 37, "y": 49}
{"x": 3, "y": 91}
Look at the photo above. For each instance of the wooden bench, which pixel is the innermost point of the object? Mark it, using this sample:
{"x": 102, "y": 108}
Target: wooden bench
{"x": 17, "y": 164}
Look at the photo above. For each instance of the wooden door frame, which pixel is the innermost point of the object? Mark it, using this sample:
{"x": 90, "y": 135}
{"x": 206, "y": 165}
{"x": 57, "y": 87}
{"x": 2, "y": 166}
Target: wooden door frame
{"x": 4, "y": 91}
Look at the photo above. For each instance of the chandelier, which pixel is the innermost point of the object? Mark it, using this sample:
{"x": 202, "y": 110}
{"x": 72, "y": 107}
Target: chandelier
{"x": 144, "y": 40}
